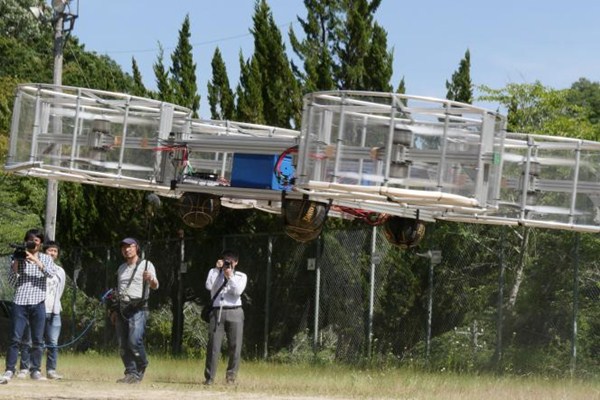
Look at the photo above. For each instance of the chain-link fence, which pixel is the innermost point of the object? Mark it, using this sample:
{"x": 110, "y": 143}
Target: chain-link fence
{"x": 469, "y": 297}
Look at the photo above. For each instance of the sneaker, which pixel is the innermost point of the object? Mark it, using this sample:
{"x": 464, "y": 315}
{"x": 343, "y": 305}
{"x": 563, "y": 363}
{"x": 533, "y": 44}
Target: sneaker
{"x": 8, "y": 375}
{"x": 37, "y": 376}
{"x": 52, "y": 374}
{"x": 22, "y": 374}
{"x": 129, "y": 378}
{"x": 230, "y": 380}
{"x": 207, "y": 382}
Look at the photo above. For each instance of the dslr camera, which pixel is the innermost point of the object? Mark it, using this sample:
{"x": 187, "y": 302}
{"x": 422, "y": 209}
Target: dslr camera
{"x": 21, "y": 248}
{"x": 227, "y": 264}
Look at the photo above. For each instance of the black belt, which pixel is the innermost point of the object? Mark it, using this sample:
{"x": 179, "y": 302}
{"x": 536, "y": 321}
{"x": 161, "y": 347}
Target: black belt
{"x": 231, "y": 307}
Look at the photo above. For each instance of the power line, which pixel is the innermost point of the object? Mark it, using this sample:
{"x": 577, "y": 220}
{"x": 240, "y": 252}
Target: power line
{"x": 207, "y": 42}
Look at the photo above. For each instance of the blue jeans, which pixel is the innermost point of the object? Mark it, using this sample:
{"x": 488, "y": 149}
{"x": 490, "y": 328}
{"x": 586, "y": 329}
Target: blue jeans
{"x": 35, "y": 315}
{"x": 25, "y": 348}
{"x": 53, "y": 325}
{"x": 130, "y": 335}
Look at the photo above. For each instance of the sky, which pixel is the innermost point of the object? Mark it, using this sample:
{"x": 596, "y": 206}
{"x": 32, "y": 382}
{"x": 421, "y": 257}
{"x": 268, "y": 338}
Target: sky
{"x": 510, "y": 41}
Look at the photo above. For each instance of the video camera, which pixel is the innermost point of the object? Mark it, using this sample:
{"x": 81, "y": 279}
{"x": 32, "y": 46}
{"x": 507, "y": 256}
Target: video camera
{"x": 20, "y": 252}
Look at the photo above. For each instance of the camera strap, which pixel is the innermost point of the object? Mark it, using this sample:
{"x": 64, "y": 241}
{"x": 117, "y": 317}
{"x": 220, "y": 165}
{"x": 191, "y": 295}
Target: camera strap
{"x": 218, "y": 291}
{"x": 132, "y": 276}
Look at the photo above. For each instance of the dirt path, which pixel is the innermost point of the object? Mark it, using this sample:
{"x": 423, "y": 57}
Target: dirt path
{"x": 86, "y": 390}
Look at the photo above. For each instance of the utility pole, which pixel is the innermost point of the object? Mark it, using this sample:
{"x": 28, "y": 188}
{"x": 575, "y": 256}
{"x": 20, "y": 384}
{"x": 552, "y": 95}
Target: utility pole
{"x": 63, "y": 21}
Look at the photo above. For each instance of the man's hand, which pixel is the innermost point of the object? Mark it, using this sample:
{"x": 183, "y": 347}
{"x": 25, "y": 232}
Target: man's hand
{"x": 149, "y": 277}
{"x": 113, "y": 317}
{"x": 33, "y": 258}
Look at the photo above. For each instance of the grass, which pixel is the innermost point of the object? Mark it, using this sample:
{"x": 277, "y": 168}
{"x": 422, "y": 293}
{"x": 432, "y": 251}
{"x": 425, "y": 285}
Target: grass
{"x": 268, "y": 380}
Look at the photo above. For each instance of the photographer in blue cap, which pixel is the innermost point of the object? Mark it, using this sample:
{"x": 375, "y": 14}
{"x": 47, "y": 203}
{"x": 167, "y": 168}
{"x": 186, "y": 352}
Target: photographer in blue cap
{"x": 135, "y": 278}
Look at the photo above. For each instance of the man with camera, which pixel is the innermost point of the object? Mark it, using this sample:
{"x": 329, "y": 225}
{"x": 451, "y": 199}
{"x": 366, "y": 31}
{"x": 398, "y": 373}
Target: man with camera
{"x": 28, "y": 272}
{"x": 226, "y": 286}
{"x": 135, "y": 278}
{"x": 55, "y": 287}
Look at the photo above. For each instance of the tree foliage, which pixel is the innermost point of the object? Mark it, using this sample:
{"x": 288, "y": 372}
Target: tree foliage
{"x": 183, "y": 71}
{"x": 535, "y": 108}
{"x": 163, "y": 83}
{"x": 460, "y": 88}
{"x": 279, "y": 90}
{"x": 138, "y": 83}
{"x": 220, "y": 95}
{"x": 250, "y": 103}
{"x": 316, "y": 49}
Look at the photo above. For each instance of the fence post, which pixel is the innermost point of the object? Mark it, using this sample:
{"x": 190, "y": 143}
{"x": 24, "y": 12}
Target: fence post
{"x": 374, "y": 261}
{"x": 317, "y": 298}
{"x": 268, "y": 297}
{"x": 500, "y": 313}
{"x": 575, "y": 304}
{"x": 435, "y": 257}
{"x": 108, "y": 283}
{"x": 76, "y": 272}
{"x": 177, "y": 331}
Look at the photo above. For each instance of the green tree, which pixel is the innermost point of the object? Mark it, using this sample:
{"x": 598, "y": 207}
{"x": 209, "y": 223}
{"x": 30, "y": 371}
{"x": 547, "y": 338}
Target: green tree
{"x": 250, "y": 103}
{"x": 401, "y": 89}
{"x": 19, "y": 23}
{"x": 138, "y": 85}
{"x": 378, "y": 62}
{"x": 534, "y": 108}
{"x": 586, "y": 94}
{"x": 354, "y": 44}
{"x": 87, "y": 69}
{"x": 460, "y": 88}
{"x": 183, "y": 71}
{"x": 220, "y": 95}
{"x": 163, "y": 84}
{"x": 280, "y": 91}
{"x": 315, "y": 50}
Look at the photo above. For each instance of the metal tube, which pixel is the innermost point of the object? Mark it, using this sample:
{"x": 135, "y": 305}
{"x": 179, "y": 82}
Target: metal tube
{"x": 372, "y": 290}
{"x": 268, "y": 297}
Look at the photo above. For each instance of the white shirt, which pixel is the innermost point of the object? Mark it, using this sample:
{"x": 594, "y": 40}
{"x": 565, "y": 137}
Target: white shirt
{"x": 231, "y": 294}
{"x": 55, "y": 286}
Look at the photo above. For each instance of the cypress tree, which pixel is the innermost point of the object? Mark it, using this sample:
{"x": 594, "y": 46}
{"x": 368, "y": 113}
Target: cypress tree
{"x": 249, "y": 93}
{"x": 138, "y": 86}
{"x": 165, "y": 91}
{"x": 315, "y": 50}
{"x": 460, "y": 88}
{"x": 220, "y": 95}
{"x": 354, "y": 44}
{"x": 280, "y": 91}
{"x": 401, "y": 89}
{"x": 378, "y": 62}
{"x": 183, "y": 71}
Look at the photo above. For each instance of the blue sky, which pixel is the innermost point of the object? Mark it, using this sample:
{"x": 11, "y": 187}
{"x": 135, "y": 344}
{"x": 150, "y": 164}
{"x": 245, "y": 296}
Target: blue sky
{"x": 511, "y": 41}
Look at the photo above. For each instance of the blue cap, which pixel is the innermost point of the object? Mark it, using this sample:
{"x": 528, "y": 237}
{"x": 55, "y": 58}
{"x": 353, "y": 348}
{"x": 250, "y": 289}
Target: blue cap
{"x": 129, "y": 241}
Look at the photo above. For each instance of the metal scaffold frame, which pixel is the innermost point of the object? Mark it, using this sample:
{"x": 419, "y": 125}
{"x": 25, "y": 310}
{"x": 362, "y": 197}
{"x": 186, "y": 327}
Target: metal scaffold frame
{"x": 384, "y": 153}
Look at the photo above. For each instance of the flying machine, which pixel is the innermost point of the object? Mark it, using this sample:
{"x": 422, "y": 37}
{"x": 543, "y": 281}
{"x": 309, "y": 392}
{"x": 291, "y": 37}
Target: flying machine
{"x": 387, "y": 159}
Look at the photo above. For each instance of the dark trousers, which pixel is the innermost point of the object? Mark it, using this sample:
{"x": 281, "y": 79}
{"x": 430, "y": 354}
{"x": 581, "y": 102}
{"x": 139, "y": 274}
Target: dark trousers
{"x": 34, "y": 316}
{"x": 230, "y": 323}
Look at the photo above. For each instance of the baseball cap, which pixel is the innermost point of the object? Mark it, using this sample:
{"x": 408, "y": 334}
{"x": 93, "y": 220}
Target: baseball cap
{"x": 129, "y": 241}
